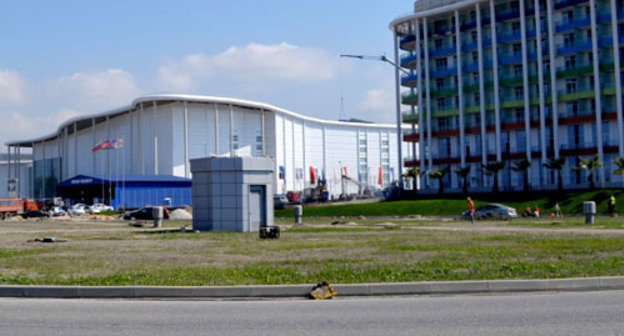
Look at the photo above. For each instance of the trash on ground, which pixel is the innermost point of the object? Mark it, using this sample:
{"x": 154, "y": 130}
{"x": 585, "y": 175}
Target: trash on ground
{"x": 345, "y": 223}
{"x": 322, "y": 291}
{"x": 48, "y": 240}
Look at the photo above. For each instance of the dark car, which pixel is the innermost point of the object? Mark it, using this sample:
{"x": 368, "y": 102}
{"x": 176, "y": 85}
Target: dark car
{"x": 493, "y": 211}
{"x": 35, "y": 214}
{"x": 143, "y": 214}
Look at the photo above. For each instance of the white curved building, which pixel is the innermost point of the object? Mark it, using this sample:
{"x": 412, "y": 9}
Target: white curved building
{"x": 162, "y": 133}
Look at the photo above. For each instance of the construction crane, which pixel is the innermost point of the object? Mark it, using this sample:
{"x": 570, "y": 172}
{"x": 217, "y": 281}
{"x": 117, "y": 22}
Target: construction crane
{"x": 377, "y": 58}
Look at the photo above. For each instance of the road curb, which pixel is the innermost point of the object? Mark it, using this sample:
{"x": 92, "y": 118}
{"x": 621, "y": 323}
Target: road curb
{"x": 290, "y": 291}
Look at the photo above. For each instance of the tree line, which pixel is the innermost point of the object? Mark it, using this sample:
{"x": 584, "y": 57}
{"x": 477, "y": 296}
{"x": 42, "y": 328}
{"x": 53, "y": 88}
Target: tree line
{"x": 521, "y": 166}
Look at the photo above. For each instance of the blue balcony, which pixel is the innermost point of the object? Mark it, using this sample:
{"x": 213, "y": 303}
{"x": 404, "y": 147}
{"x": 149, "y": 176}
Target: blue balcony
{"x": 443, "y": 72}
{"x": 474, "y": 45}
{"x": 606, "y": 17}
{"x": 510, "y": 37}
{"x": 475, "y": 66}
{"x": 511, "y": 59}
{"x": 508, "y": 15}
{"x": 409, "y": 80}
{"x": 573, "y": 25}
{"x": 452, "y": 50}
{"x": 574, "y": 48}
{"x": 407, "y": 39}
{"x": 407, "y": 59}
{"x": 469, "y": 25}
{"x": 568, "y": 3}
{"x": 608, "y": 41}
{"x": 444, "y": 30}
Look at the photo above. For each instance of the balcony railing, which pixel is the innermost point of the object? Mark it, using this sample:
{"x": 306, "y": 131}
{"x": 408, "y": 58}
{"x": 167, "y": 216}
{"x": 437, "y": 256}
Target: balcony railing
{"x": 409, "y": 80}
{"x": 510, "y": 59}
{"x": 575, "y": 71}
{"x": 443, "y": 51}
{"x": 574, "y": 48}
{"x": 474, "y": 45}
{"x": 567, "y": 3}
{"x": 408, "y": 59}
{"x": 573, "y": 25}
{"x": 444, "y": 72}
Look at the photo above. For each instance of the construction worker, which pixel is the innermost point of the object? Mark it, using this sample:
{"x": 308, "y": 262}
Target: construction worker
{"x": 611, "y": 205}
{"x": 471, "y": 209}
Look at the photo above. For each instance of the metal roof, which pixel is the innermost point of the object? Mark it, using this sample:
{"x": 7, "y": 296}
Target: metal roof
{"x": 96, "y": 179}
{"x": 85, "y": 121}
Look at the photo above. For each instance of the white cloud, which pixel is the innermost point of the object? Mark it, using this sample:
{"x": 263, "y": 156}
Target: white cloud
{"x": 18, "y": 126}
{"x": 95, "y": 90}
{"x": 252, "y": 65}
{"x": 12, "y": 87}
{"x": 379, "y": 101}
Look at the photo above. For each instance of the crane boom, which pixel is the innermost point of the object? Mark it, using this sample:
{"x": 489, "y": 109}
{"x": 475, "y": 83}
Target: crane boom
{"x": 377, "y": 58}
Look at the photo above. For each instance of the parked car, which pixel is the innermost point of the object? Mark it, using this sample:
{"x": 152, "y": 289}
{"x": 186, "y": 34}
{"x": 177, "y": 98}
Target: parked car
{"x": 57, "y": 211}
{"x": 98, "y": 208}
{"x": 279, "y": 201}
{"x": 143, "y": 214}
{"x": 77, "y": 210}
{"x": 35, "y": 214}
{"x": 493, "y": 211}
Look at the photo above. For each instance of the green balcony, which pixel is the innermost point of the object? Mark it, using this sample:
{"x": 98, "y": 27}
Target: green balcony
{"x": 445, "y": 113}
{"x": 444, "y": 92}
{"x": 512, "y": 104}
{"x": 475, "y": 87}
{"x": 575, "y": 72}
{"x": 511, "y": 81}
{"x": 409, "y": 98}
{"x": 576, "y": 96}
{"x": 477, "y": 109}
{"x": 410, "y": 118}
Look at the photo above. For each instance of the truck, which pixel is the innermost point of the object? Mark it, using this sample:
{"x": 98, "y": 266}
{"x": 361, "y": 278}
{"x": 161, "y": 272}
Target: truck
{"x": 10, "y": 207}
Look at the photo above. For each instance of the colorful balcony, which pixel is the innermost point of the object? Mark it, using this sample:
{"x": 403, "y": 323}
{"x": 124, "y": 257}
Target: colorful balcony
{"x": 444, "y": 51}
{"x": 409, "y": 60}
{"x": 407, "y": 42}
{"x": 409, "y": 80}
{"x": 510, "y": 59}
{"x": 574, "y": 48}
{"x": 574, "y": 72}
{"x": 443, "y": 72}
{"x": 508, "y": 15}
{"x": 580, "y": 94}
{"x": 567, "y": 3}
{"x": 409, "y": 98}
{"x": 443, "y": 92}
{"x": 474, "y": 45}
{"x": 573, "y": 25}
{"x": 511, "y": 37}
{"x": 410, "y": 118}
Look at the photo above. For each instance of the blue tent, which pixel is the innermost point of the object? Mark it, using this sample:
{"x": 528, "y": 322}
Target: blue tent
{"x": 130, "y": 191}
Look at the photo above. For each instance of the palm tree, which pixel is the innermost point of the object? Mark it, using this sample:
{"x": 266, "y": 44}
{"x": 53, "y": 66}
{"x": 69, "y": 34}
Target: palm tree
{"x": 463, "y": 173}
{"x": 439, "y": 174}
{"x": 492, "y": 169}
{"x": 523, "y": 167}
{"x": 620, "y": 163}
{"x": 556, "y": 164}
{"x": 590, "y": 164}
{"x": 413, "y": 173}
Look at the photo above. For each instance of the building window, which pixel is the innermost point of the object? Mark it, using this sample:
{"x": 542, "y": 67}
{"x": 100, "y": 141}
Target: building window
{"x": 570, "y": 62}
{"x": 441, "y": 63}
{"x": 475, "y": 57}
{"x": 517, "y": 48}
{"x": 438, "y": 43}
{"x": 568, "y": 39}
{"x": 568, "y": 16}
{"x": 518, "y": 92}
{"x": 439, "y": 83}
{"x": 515, "y": 27}
{"x": 517, "y": 70}
{"x": 441, "y": 103}
{"x": 571, "y": 85}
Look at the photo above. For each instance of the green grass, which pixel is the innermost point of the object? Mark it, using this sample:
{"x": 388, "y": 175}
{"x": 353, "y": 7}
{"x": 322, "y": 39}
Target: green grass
{"x": 570, "y": 203}
{"x": 121, "y": 255}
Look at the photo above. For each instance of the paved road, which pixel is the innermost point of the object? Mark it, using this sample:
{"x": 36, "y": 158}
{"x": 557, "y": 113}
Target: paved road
{"x": 596, "y": 313}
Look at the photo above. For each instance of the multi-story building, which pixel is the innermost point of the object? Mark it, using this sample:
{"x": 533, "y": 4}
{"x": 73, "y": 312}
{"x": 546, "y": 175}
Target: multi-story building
{"x": 510, "y": 80}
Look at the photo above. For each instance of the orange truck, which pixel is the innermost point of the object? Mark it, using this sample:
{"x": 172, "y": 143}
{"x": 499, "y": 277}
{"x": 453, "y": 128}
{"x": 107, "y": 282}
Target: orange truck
{"x": 10, "y": 207}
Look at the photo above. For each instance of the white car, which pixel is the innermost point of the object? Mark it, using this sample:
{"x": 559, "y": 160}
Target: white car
{"x": 57, "y": 211}
{"x": 77, "y": 210}
{"x": 99, "y": 207}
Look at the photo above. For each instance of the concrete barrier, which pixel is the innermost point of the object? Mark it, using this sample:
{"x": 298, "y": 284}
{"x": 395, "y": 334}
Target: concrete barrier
{"x": 292, "y": 291}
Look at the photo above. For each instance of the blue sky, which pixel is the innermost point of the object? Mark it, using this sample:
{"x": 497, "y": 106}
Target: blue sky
{"x": 66, "y": 58}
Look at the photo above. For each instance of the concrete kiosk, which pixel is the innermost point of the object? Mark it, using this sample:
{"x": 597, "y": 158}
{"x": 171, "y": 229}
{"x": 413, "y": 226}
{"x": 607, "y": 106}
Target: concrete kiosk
{"x": 232, "y": 193}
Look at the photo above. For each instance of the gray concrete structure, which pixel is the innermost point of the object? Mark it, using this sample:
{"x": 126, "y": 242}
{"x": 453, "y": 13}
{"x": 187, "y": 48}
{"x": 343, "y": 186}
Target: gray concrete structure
{"x": 233, "y": 193}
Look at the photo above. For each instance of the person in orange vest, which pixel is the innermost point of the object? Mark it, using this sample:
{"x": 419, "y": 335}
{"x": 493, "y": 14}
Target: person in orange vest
{"x": 471, "y": 209}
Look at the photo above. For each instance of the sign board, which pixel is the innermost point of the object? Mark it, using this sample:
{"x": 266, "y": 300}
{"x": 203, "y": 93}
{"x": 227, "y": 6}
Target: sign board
{"x": 12, "y": 187}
